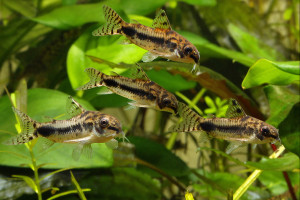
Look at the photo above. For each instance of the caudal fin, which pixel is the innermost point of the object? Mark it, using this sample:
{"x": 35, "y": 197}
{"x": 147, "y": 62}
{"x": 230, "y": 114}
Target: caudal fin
{"x": 113, "y": 23}
{"x": 95, "y": 79}
{"x": 27, "y": 127}
{"x": 190, "y": 120}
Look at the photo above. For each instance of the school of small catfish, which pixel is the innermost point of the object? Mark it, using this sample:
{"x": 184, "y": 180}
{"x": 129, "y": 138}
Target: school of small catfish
{"x": 87, "y": 127}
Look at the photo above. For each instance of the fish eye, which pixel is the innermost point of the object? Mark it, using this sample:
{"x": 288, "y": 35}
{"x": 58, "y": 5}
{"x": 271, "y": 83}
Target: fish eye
{"x": 265, "y": 131}
{"x": 166, "y": 102}
{"x": 188, "y": 50}
{"x": 103, "y": 123}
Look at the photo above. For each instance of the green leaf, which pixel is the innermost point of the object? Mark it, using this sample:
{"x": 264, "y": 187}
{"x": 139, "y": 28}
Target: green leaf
{"x": 30, "y": 182}
{"x": 289, "y": 130}
{"x": 201, "y": 2}
{"x": 71, "y": 16}
{"x": 276, "y": 183}
{"x": 265, "y": 72}
{"x": 101, "y": 47}
{"x": 157, "y": 155}
{"x": 288, "y": 162}
{"x": 51, "y": 103}
{"x": 251, "y": 45}
{"x": 208, "y": 49}
{"x": 122, "y": 183}
{"x": 26, "y": 8}
{"x": 292, "y": 67}
{"x": 170, "y": 82}
{"x": 280, "y": 107}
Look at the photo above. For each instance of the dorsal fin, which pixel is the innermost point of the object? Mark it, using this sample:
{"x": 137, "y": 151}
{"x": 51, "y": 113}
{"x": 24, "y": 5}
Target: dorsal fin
{"x": 139, "y": 73}
{"x": 161, "y": 21}
{"x": 234, "y": 109}
{"x": 73, "y": 107}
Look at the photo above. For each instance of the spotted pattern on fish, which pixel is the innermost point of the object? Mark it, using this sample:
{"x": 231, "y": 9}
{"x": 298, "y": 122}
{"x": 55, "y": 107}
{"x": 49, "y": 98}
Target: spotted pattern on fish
{"x": 160, "y": 40}
{"x": 144, "y": 92}
{"x": 243, "y": 128}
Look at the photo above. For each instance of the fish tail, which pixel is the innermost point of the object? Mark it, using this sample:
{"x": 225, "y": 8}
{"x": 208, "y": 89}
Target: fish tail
{"x": 28, "y": 130}
{"x": 113, "y": 23}
{"x": 190, "y": 120}
{"x": 95, "y": 79}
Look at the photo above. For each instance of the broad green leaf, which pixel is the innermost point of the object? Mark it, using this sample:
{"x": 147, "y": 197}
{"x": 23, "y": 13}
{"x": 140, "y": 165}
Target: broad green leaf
{"x": 122, "y": 183}
{"x": 276, "y": 183}
{"x": 265, "y": 72}
{"x": 288, "y": 162}
{"x": 71, "y": 16}
{"x": 201, "y": 2}
{"x": 217, "y": 184}
{"x": 50, "y": 103}
{"x": 157, "y": 155}
{"x": 208, "y": 49}
{"x": 292, "y": 67}
{"x": 289, "y": 130}
{"x": 280, "y": 107}
{"x": 101, "y": 47}
{"x": 170, "y": 82}
{"x": 251, "y": 45}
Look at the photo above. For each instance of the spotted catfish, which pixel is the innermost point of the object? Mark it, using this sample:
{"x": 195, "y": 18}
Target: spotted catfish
{"x": 84, "y": 128}
{"x": 160, "y": 40}
{"x": 143, "y": 91}
{"x": 238, "y": 128}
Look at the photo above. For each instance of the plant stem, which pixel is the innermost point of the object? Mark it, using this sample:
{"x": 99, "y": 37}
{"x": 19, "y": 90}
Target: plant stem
{"x": 243, "y": 188}
{"x": 36, "y": 175}
{"x": 287, "y": 179}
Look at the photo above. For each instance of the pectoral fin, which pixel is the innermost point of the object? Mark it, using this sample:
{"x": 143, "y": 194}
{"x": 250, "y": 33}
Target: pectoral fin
{"x": 232, "y": 146}
{"x": 104, "y": 91}
{"x": 112, "y": 144}
{"x": 148, "y": 57}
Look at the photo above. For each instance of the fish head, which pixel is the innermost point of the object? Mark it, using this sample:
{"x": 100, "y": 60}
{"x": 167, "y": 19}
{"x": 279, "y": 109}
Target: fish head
{"x": 268, "y": 132}
{"x": 108, "y": 126}
{"x": 188, "y": 53}
{"x": 191, "y": 52}
{"x": 168, "y": 102}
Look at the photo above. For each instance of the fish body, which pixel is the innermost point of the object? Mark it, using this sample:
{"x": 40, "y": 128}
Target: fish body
{"x": 84, "y": 128}
{"x": 238, "y": 127}
{"x": 144, "y": 92}
{"x": 159, "y": 40}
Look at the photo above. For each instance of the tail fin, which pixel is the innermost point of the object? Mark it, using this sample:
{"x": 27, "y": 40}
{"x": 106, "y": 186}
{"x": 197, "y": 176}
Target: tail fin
{"x": 27, "y": 127}
{"x": 113, "y": 23}
{"x": 191, "y": 120}
{"x": 95, "y": 79}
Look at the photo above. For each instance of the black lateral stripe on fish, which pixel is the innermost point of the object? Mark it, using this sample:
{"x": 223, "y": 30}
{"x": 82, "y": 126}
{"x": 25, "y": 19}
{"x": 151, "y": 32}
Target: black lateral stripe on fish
{"x": 159, "y": 40}
{"x": 143, "y": 91}
{"x": 84, "y": 128}
{"x": 237, "y": 127}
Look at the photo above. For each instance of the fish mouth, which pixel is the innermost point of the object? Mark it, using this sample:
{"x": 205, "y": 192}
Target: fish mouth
{"x": 175, "y": 110}
{"x": 195, "y": 58}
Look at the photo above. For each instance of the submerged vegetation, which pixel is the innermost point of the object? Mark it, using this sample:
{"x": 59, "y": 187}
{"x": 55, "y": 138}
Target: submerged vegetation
{"x": 249, "y": 52}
